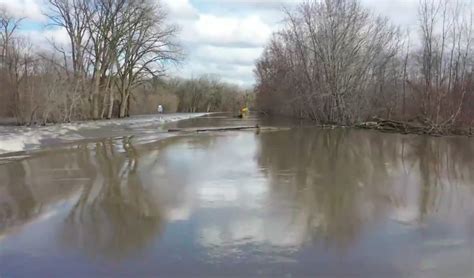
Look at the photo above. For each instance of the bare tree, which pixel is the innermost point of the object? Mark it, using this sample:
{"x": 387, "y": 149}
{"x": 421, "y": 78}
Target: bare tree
{"x": 10, "y": 62}
{"x": 335, "y": 62}
{"x": 332, "y": 50}
{"x": 148, "y": 44}
{"x": 115, "y": 46}
{"x": 446, "y": 36}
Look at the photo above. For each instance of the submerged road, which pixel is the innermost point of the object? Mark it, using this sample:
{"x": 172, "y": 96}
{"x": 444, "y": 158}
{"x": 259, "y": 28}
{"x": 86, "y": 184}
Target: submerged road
{"x": 291, "y": 202}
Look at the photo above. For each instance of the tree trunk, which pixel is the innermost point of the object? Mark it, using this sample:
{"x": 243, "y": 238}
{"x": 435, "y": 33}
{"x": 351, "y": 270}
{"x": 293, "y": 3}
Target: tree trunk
{"x": 104, "y": 104}
{"x": 127, "y": 113}
{"x": 95, "y": 106}
{"x": 96, "y": 98}
{"x": 111, "y": 105}
{"x": 124, "y": 106}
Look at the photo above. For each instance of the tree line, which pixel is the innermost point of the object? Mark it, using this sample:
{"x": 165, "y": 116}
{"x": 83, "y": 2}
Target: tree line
{"x": 337, "y": 62}
{"x": 114, "y": 46}
{"x": 115, "y": 61}
{"x": 203, "y": 94}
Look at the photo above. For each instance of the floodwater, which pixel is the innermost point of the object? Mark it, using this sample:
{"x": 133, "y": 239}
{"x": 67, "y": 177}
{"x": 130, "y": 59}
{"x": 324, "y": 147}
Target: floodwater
{"x": 303, "y": 202}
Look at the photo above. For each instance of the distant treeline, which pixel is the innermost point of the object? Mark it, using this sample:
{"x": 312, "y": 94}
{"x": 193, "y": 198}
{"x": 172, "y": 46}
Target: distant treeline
{"x": 203, "y": 94}
{"x": 114, "y": 65}
{"x": 337, "y": 62}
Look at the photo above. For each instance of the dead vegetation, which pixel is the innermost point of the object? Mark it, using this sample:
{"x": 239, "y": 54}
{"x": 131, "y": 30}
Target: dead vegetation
{"x": 338, "y": 63}
{"x": 412, "y": 127}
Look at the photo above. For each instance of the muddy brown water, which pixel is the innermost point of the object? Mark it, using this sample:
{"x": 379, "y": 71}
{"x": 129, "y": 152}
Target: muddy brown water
{"x": 303, "y": 202}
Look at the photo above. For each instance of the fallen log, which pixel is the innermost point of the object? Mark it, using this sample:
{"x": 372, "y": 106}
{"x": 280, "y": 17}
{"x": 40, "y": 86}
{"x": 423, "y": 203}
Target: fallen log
{"x": 228, "y": 128}
{"x": 411, "y": 128}
{"x": 395, "y": 127}
{"x": 211, "y": 129}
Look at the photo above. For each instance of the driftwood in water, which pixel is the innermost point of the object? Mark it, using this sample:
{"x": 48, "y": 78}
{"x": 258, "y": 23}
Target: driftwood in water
{"x": 228, "y": 128}
{"x": 212, "y": 129}
{"x": 410, "y": 128}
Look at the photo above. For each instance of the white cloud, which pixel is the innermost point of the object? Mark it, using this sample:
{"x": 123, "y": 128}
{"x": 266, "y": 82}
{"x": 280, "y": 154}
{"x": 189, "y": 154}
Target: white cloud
{"x": 181, "y": 9}
{"x": 43, "y": 39}
{"x": 30, "y": 9}
{"x": 228, "y": 72}
{"x": 228, "y": 55}
{"x": 223, "y": 45}
{"x": 402, "y": 12}
{"x": 216, "y": 30}
{"x": 254, "y": 4}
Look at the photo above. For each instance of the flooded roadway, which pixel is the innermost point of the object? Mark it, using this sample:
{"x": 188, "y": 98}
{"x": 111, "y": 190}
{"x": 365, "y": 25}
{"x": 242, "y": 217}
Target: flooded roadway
{"x": 303, "y": 202}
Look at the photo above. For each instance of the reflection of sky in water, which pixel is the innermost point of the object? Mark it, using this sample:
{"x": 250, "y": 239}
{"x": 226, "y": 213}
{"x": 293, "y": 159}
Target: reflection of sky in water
{"x": 228, "y": 181}
{"x": 239, "y": 199}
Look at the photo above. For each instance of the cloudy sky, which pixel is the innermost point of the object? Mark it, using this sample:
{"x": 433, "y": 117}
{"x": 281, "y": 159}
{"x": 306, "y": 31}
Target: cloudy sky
{"x": 225, "y": 37}
{"x": 220, "y": 37}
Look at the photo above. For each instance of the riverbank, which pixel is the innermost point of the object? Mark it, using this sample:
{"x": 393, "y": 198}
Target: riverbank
{"x": 21, "y": 138}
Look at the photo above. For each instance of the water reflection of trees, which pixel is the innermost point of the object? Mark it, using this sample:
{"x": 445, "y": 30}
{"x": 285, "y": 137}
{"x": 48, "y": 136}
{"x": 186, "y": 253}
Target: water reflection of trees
{"x": 335, "y": 182}
{"x": 444, "y": 167}
{"x": 30, "y": 186}
{"x": 117, "y": 195}
{"x": 344, "y": 179}
{"x": 114, "y": 214}
{"x": 22, "y": 204}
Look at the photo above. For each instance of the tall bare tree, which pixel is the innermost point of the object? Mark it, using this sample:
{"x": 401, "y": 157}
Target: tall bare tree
{"x": 115, "y": 45}
{"x": 148, "y": 44}
{"x": 332, "y": 50}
